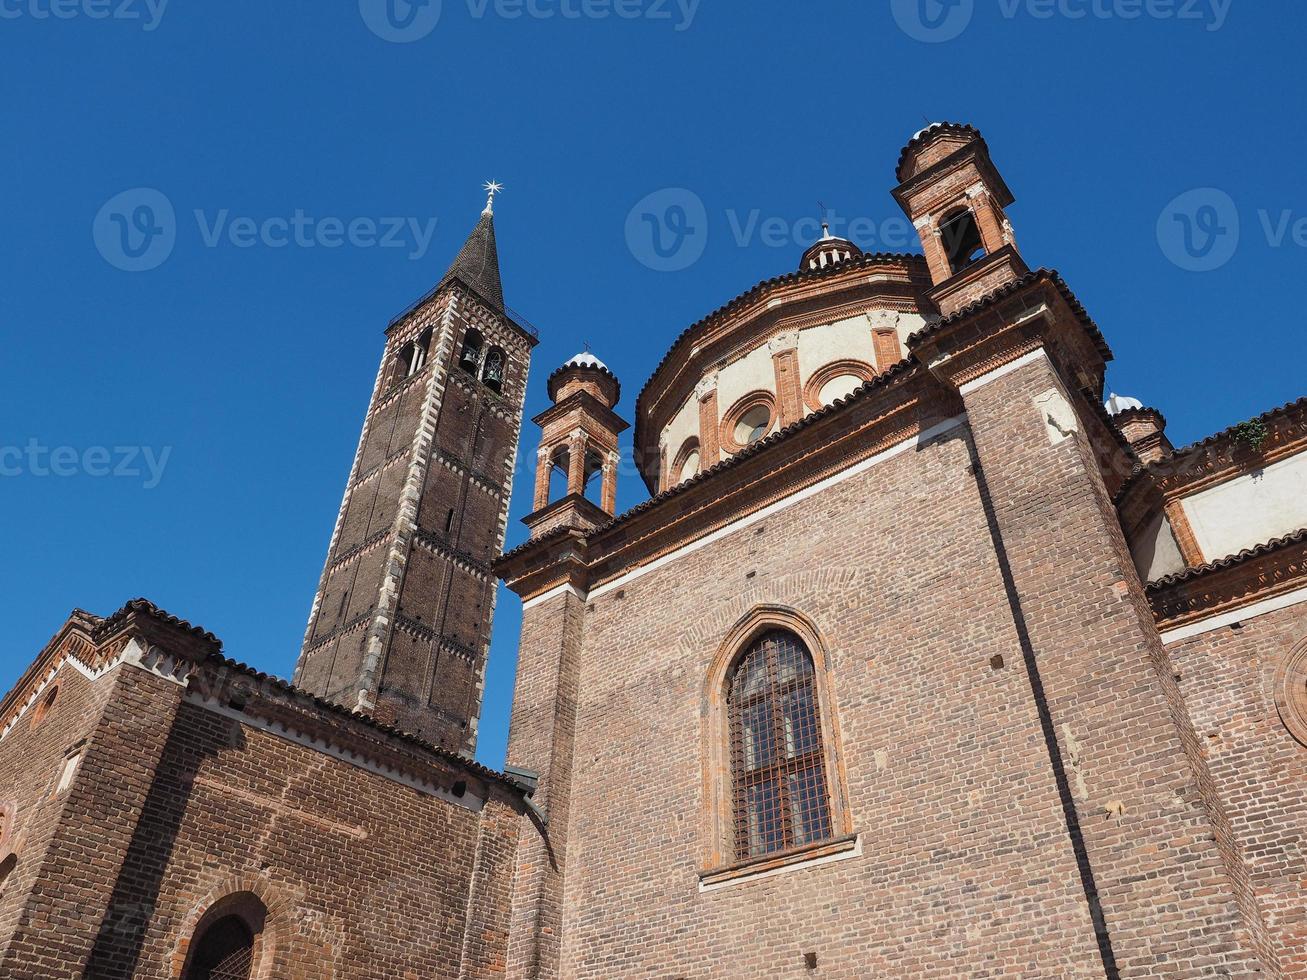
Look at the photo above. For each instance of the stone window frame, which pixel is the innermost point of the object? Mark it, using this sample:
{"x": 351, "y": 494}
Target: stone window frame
{"x": 1290, "y": 691}
{"x": 829, "y": 372}
{"x": 759, "y": 397}
{"x": 718, "y": 864}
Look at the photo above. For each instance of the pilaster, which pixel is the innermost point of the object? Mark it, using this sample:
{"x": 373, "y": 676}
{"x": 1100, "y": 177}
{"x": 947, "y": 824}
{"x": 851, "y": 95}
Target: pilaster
{"x": 710, "y": 452}
{"x": 542, "y": 740}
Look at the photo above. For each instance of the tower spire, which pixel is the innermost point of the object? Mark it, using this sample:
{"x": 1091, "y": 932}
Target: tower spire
{"x": 477, "y": 264}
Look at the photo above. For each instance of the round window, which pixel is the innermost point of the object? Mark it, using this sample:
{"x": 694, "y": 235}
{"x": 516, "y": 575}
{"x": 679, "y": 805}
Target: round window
{"x": 753, "y": 425}
{"x": 837, "y": 388}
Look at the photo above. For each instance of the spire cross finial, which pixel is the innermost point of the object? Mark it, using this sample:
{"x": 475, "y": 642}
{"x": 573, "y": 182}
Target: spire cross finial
{"x": 825, "y": 224}
{"x": 493, "y": 187}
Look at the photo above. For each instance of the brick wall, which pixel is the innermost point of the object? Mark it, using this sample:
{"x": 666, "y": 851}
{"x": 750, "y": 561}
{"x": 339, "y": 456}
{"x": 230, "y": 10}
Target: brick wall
{"x": 1156, "y": 844}
{"x": 966, "y": 867}
{"x": 31, "y": 759}
{"x": 1229, "y": 676}
{"x": 175, "y": 806}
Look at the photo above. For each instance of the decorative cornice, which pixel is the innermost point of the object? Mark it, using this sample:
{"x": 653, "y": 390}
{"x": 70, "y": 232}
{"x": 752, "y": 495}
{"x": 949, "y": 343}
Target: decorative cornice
{"x": 1219, "y": 457}
{"x": 1253, "y": 575}
{"x": 885, "y": 412}
{"x": 465, "y": 560}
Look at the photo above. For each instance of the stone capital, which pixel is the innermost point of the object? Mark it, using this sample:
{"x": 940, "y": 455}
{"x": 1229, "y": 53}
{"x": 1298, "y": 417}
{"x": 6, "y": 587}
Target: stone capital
{"x": 884, "y": 319}
{"x": 706, "y": 386}
{"x": 783, "y": 341}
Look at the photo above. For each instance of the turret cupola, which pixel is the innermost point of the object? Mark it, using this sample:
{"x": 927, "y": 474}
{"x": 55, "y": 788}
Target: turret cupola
{"x": 829, "y": 251}
{"x": 587, "y": 373}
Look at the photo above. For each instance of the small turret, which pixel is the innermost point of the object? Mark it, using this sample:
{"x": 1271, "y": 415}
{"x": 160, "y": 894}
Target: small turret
{"x": 578, "y": 442}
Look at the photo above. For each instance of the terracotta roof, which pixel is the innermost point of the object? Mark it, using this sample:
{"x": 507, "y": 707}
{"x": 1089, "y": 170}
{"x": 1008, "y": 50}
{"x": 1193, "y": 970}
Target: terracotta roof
{"x": 903, "y": 367}
{"x": 875, "y": 258}
{"x": 1126, "y": 414}
{"x": 934, "y": 129}
{"x": 1189, "y": 574}
{"x": 575, "y": 365}
{"x": 290, "y": 690}
{"x": 285, "y": 687}
{"x": 109, "y": 624}
{"x": 1004, "y": 291}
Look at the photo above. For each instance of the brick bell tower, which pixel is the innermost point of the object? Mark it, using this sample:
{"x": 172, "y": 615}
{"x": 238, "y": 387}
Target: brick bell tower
{"x": 400, "y": 625}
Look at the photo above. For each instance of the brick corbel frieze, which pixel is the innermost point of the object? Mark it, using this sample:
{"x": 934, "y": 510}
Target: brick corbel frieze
{"x": 1020, "y": 318}
{"x": 269, "y": 703}
{"x": 140, "y": 634}
{"x": 1212, "y": 461}
{"x": 1223, "y": 586}
{"x": 553, "y": 560}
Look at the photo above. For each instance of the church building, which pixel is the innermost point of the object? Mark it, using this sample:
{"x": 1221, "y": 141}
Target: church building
{"x": 927, "y": 656}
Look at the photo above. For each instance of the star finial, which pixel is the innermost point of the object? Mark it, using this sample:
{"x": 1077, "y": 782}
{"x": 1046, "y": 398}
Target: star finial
{"x": 493, "y": 187}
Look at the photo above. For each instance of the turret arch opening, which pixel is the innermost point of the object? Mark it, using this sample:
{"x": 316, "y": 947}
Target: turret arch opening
{"x": 960, "y": 235}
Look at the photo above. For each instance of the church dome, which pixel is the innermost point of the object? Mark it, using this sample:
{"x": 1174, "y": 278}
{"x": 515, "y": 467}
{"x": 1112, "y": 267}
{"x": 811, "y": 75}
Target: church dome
{"x": 1116, "y": 404}
{"x": 829, "y": 251}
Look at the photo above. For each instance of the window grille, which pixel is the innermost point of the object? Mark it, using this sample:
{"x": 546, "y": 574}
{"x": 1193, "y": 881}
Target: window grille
{"x": 778, "y": 764}
{"x": 224, "y": 952}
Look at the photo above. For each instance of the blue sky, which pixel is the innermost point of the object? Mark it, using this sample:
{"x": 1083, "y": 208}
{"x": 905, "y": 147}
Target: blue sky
{"x": 238, "y": 368}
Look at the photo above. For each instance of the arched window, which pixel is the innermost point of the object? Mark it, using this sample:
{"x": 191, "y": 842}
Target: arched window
{"x": 470, "y": 358}
{"x": 780, "y": 795}
{"x": 493, "y": 373}
{"x": 960, "y": 236}
{"x": 229, "y": 940}
{"x": 47, "y": 703}
{"x": 6, "y": 869}
{"x": 687, "y": 463}
{"x": 225, "y": 951}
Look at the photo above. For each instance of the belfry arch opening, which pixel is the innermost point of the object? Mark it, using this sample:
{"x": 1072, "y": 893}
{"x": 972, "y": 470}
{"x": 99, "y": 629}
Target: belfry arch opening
{"x": 469, "y": 358}
{"x": 960, "y": 235}
{"x": 492, "y": 375}
{"x": 593, "y": 489}
{"x": 559, "y": 466}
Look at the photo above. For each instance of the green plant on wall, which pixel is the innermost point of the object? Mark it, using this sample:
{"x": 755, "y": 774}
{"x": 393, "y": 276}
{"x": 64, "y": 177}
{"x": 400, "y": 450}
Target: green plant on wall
{"x": 1252, "y": 434}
